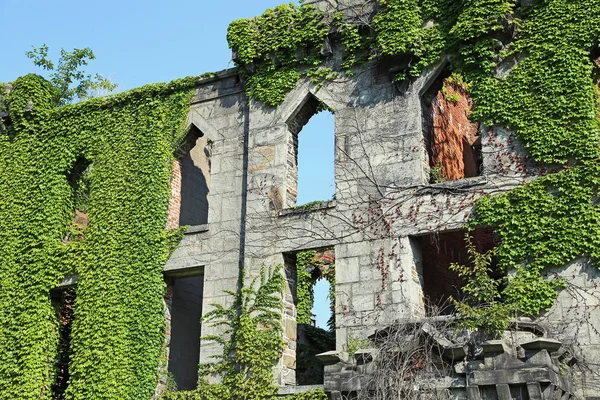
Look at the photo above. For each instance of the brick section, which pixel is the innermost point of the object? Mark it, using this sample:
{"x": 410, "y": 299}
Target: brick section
{"x": 325, "y": 257}
{"x": 454, "y": 138}
{"x": 175, "y": 201}
{"x": 441, "y": 250}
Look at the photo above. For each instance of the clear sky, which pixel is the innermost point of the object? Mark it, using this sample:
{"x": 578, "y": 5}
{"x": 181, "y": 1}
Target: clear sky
{"x": 137, "y": 42}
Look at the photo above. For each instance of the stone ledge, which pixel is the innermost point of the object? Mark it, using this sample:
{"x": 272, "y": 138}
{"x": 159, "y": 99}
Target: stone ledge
{"x": 193, "y": 229}
{"x": 287, "y": 390}
{"x": 308, "y": 208}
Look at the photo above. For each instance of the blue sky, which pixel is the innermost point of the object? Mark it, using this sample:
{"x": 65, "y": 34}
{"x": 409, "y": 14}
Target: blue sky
{"x": 139, "y": 42}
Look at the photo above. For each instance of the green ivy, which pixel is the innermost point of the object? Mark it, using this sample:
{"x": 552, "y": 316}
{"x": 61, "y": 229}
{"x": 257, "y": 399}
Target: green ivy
{"x": 305, "y": 263}
{"x": 549, "y": 99}
{"x": 252, "y": 343}
{"x": 273, "y": 49}
{"x": 118, "y": 327}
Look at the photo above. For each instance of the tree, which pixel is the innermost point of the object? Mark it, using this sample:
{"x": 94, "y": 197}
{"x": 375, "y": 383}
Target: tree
{"x": 68, "y": 76}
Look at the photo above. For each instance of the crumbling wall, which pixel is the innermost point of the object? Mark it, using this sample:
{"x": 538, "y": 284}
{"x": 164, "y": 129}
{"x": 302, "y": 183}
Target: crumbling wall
{"x": 384, "y": 197}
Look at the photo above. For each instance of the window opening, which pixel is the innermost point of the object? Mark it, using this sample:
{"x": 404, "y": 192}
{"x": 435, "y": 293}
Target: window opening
{"x": 304, "y": 270}
{"x": 311, "y": 158}
{"x": 190, "y": 182}
{"x": 320, "y": 313}
{"x": 186, "y": 311}
{"x": 80, "y": 181}
{"x": 63, "y": 301}
{"x": 453, "y": 142}
{"x": 438, "y": 252}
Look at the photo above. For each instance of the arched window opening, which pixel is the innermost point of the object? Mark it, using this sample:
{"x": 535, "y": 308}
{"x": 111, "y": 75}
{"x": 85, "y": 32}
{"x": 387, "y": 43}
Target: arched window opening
{"x": 80, "y": 181}
{"x": 304, "y": 271}
{"x": 310, "y": 159}
{"x": 190, "y": 182}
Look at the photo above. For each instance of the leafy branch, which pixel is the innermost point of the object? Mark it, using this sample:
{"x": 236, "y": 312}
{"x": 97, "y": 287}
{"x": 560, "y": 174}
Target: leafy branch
{"x": 68, "y": 77}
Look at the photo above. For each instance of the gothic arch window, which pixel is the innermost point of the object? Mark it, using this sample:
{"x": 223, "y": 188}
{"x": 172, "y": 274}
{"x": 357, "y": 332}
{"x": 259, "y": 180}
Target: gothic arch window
{"x": 190, "y": 183}
{"x": 310, "y": 175}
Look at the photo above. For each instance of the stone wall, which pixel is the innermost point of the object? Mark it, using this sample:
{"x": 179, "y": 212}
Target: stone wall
{"x": 384, "y": 201}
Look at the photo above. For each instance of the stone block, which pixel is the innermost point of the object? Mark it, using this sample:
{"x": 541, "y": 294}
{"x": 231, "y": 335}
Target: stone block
{"x": 363, "y": 302}
{"x": 291, "y": 329}
{"x": 347, "y": 270}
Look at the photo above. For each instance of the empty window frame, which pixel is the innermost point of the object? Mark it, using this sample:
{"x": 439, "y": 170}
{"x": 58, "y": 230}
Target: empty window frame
{"x": 185, "y": 304}
{"x": 438, "y": 252}
{"x": 190, "y": 181}
{"x": 305, "y": 340}
{"x": 453, "y": 142}
{"x": 63, "y": 301}
{"x": 310, "y": 174}
{"x": 80, "y": 182}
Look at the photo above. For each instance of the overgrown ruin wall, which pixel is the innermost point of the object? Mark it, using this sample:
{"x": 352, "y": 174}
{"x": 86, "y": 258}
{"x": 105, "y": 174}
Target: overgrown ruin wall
{"x": 389, "y": 139}
{"x": 381, "y": 158}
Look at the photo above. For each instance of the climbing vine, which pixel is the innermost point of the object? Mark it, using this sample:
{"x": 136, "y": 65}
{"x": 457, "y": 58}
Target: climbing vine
{"x": 306, "y": 262}
{"x": 529, "y": 68}
{"x": 273, "y": 49}
{"x": 118, "y": 321}
{"x": 312, "y": 265}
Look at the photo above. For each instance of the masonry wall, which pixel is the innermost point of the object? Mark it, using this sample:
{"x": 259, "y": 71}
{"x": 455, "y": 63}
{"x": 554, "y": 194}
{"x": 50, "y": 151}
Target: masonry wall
{"x": 384, "y": 198}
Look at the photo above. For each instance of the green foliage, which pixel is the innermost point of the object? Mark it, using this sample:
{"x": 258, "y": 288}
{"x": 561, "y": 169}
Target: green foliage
{"x": 398, "y": 25}
{"x": 273, "y": 48}
{"x": 252, "y": 343}
{"x": 252, "y": 340}
{"x": 549, "y": 99}
{"x": 314, "y": 394}
{"x": 305, "y": 263}
{"x": 309, "y": 369}
{"x": 68, "y": 73}
{"x": 455, "y": 81}
{"x": 357, "y": 47}
{"x": 305, "y": 260}
{"x": 118, "y": 327}
{"x": 551, "y": 104}
{"x": 549, "y": 222}
{"x": 485, "y": 306}
{"x": 481, "y": 306}
{"x": 437, "y": 174}
{"x": 357, "y": 343}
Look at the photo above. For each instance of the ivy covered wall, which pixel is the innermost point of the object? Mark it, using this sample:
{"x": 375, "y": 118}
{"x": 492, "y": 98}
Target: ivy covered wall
{"x": 529, "y": 67}
{"x": 118, "y": 325}
{"x": 550, "y": 99}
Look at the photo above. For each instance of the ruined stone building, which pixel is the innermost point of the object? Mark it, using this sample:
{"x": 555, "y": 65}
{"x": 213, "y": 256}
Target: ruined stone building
{"x": 409, "y": 165}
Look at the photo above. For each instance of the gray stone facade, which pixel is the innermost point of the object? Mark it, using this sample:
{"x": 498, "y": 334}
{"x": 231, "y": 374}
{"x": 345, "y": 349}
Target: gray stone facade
{"x": 383, "y": 204}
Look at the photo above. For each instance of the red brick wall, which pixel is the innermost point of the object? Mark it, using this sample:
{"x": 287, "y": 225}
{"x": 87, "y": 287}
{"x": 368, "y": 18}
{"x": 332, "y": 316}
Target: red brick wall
{"x": 453, "y": 134}
{"x": 325, "y": 257}
{"x": 175, "y": 202}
